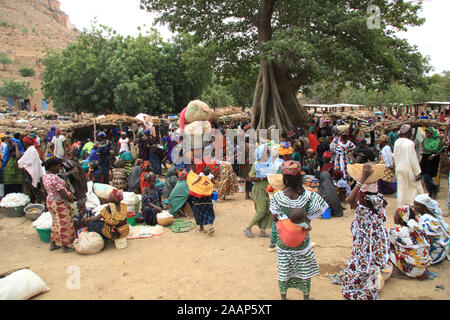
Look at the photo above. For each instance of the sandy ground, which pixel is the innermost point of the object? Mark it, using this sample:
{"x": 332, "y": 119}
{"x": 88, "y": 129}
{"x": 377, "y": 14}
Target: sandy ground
{"x": 195, "y": 266}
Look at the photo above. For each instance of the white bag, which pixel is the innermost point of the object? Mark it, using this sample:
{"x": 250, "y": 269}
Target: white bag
{"x": 21, "y": 285}
{"x": 92, "y": 201}
{"x": 102, "y": 190}
{"x": 89, "y": 243}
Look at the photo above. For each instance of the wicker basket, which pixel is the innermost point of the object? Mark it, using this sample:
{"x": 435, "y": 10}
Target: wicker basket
{"x": 165, "y": 221}
{"x": 355, "y": 171}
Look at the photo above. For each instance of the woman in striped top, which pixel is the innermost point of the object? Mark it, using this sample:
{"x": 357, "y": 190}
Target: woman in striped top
{"x": 296, "y": 265}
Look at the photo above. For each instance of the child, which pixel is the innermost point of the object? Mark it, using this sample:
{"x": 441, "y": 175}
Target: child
{"x": 152, "y": 202}
{"x": 95, "y": 173}
{"x": 296, "y": 156}
{"x": 298, "y": 217}
{"x": 206, "y": 172}
{"x": 342, "y": 185}
{"x": 310, "y": 160}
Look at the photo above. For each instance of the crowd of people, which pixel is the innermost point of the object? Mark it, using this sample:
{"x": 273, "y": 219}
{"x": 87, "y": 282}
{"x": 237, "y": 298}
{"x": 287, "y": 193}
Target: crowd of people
{"x": 321, "y": 154}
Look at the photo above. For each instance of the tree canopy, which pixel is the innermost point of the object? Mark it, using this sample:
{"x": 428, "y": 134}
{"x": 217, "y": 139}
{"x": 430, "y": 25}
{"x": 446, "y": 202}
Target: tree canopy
{"x": 104, "y": 72}
{"x": 16, "y": 90}
{"x": 299, "y": 43}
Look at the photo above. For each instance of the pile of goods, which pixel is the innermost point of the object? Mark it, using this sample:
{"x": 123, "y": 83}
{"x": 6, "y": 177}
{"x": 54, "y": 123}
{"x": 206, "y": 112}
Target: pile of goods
{"x": 45, "y": 221}
{"x": 164, "y": 218}
{"x": 195, "y": 119}
{"x": 14, "y": 200}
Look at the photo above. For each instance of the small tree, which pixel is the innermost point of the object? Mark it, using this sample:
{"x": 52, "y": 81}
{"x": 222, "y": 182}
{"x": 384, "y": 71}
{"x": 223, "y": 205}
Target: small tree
{"x": 4, "y": 59}
{"x": 16, "y": 90}
{"x": 27, "y": 72}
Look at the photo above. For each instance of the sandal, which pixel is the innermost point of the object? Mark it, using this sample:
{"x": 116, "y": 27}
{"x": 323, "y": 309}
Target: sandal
{"x": 211, "y": 231}
{"x": 66, "y": 250}
{"x": 54, "y": 248}
{"x": 249, "y": 234}
{"x": 263, "y": 236}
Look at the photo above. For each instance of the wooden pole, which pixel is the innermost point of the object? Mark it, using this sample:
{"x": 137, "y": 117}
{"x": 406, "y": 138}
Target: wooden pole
{"x": 95, "y": 131}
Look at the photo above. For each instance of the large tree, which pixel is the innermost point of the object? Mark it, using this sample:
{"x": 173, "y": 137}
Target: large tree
{"x": 107, "y": 73}
{"x": 297, "y": 43}
{"x": 16, "y": 90}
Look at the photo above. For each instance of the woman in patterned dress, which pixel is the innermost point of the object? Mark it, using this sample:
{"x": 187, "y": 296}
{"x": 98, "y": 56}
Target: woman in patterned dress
{"x": 296, "y": 265}
{"x": 409, "y": 245}
{"x": 58, "y": 203}
{"x": 342, "y": 148}
{"x": 227, "y": 183}
{"x": 370, "y": 252}
{"x": 119, "y": 176}
{"x": 436, "y": 229}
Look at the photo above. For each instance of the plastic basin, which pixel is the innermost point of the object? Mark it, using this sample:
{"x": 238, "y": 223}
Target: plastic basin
{"x": 44, "y": 234}
{"x": 327, "y": 214}
{"x": 14, "y": 212}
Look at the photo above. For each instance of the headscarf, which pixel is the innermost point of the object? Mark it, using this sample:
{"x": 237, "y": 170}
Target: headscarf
{"x": 370, "y": 187}
{"x": 101, "y": 134}
{"x": 115, "y": 196}
{"x": 404, "y": 128}
{"x": 327, "y": 155}
{"x": 291, "y": 168}
{"x": 404, "y": 213}
{"x": 433, "y": 207}
{"x": 182, "y": 175}
{"x": 263, "y": 169}
{"x": 51, "y": 134}
{"x": 145, "y": 165}
{"x": 28, "y": 140}
{"x": 285, "y": 149}
{"x": 431, "y": 144}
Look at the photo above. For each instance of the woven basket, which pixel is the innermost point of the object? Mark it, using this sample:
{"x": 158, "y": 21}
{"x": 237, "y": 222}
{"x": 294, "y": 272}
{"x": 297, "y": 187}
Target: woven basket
{"x": 343, "y": 128}
{"x": 276, "y": 181}
{"x": 165, "y": 221}
{"x": 355, "y": 171}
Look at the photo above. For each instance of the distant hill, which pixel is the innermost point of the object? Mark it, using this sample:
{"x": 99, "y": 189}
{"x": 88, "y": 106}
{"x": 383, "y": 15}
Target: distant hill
{"x": 27, "y": 28}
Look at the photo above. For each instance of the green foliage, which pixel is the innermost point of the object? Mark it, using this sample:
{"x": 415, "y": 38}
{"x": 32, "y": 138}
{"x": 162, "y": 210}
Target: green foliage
{"x": 4, "y": 59}
{"x": 27, "y": 72}
{"x": 437, "y": 88}
{"x": 217, "y": 95}
{"x": 104, "y": 72}
{"x": 310, "y": 41}
{"x": 16, "y": 90}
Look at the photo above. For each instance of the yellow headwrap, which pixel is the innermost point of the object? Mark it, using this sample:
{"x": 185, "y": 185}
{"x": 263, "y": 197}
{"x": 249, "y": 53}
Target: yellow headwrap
{"x": 285, "y": 151}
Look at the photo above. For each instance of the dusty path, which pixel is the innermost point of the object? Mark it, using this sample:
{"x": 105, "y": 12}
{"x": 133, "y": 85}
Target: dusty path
{"x": 196, "y": 266}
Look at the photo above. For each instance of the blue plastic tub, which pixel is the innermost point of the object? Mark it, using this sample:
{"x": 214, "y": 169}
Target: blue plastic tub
{"x": 215, "y": 196}
{"x": 327, "y": 214}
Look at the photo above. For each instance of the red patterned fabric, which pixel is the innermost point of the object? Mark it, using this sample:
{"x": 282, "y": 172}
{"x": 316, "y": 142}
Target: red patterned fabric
{"x": 63, "y": 230}
{"x": 53, "y": 184}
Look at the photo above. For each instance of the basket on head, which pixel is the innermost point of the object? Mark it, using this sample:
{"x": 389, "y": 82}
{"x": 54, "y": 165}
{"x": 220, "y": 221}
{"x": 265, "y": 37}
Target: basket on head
{"x": 355, "y": 171}
{"x": 343, "y": 128}
{"x": 276, "y": 181}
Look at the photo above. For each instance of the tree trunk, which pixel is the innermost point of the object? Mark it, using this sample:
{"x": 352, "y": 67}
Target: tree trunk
{"x": 275, "y": 98}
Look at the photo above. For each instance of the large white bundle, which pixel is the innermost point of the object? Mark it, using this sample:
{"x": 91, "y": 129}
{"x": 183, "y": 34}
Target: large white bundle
{"x": 198, "y": 128}
{"x": 89, "y": 243}
{"x": 197, "y": 111}
{"x": 130, "y": 198}
{"x": 21, "y": 285}
{"x": 164, "y": 214}
{"x": 14, "y": 200}
{"x": 45, "y": 221}
{"x": 92, "y": 201}
{"x": 102, "y": 190}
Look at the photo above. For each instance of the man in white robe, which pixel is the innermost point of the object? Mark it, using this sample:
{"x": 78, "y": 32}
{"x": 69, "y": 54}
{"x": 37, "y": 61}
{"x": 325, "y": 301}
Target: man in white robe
{"x": 407, "y": 169}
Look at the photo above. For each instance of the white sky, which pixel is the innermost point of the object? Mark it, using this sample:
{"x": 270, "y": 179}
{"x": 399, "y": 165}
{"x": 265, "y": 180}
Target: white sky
{"x": 125, "y": 16}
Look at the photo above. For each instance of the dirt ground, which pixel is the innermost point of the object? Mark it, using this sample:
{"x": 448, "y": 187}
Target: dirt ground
{"x": 196, "y": 266}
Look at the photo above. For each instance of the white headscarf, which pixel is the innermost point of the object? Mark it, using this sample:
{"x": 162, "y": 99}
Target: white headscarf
{"x": 433, "y": 207}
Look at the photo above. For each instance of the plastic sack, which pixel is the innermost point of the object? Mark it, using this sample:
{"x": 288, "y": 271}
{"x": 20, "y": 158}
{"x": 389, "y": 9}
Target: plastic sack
{"x": 44, "y": 221}
{"x": 198, "y": 128}
{"x": 92, "y": 201}
{"x": 197, "y": 111}
{"x": 102, "y": 190}
{"x": 21, "y": 285}
{"x": 89, "y": 243}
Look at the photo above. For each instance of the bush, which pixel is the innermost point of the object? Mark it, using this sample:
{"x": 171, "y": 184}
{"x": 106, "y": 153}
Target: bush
{"x": 4, "y": 59}
{"x": 27, "y": 72}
